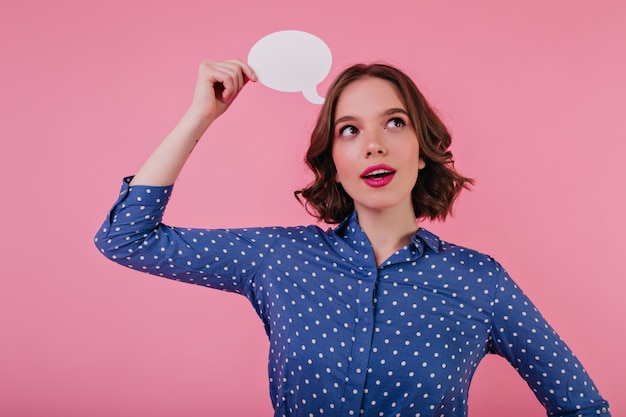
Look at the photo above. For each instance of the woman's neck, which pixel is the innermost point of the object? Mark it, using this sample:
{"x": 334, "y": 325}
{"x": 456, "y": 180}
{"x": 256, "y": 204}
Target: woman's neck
{"x": 387, "y": 230}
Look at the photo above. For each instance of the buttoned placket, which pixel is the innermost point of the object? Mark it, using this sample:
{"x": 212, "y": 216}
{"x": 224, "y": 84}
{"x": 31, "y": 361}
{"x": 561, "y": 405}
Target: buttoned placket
{"x": 364, "y": 331}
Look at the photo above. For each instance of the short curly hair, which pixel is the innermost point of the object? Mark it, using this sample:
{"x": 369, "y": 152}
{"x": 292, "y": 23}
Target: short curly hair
{"x": 438, "y": 184}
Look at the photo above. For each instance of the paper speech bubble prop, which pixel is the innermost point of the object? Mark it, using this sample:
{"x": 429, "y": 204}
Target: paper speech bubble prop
{"x": 291, "y": 61}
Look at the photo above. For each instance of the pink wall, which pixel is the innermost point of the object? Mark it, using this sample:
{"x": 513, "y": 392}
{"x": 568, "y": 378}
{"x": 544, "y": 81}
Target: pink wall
{"x": 533, "y": 91}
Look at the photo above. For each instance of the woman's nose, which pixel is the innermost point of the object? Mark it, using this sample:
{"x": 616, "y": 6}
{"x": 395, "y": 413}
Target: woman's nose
{"x": 374, "y": 144}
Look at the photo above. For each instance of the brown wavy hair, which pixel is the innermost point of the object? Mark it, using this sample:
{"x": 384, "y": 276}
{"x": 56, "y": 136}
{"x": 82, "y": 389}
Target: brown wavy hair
{"x": 438, "y": 183}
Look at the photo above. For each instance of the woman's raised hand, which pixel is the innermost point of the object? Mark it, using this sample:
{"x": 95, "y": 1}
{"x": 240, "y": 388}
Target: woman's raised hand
{"x": 219, "y": 83}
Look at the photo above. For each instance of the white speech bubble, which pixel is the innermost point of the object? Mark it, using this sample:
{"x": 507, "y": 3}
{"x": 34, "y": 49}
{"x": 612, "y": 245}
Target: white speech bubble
{"x": 291, "y": 61}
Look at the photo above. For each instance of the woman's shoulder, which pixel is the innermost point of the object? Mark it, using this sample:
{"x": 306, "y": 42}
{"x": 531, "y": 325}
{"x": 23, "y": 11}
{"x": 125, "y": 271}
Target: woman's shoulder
{"x": 457, "y": 253}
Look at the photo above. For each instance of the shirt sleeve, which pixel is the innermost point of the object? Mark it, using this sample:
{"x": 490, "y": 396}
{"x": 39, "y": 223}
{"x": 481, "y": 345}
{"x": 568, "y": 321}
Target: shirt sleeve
{"x": 133, "y": 236}
{"x": 521, "y": 335}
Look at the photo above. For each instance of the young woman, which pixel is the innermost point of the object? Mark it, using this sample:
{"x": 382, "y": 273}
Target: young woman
{"x": 377, "y": 316}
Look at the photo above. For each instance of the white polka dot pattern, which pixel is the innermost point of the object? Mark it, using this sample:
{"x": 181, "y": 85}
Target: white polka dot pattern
{"x": 348, "y": 337}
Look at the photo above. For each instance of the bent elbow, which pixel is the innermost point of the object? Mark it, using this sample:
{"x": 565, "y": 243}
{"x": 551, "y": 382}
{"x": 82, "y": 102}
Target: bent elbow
{"x": 115, "y": 247}
{"x": 106, "y": 245}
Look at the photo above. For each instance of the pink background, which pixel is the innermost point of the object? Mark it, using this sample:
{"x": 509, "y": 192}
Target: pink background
{"x": 533, "y": 91}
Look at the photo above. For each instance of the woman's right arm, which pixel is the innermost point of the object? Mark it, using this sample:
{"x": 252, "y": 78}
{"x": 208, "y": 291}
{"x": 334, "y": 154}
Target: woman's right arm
{"x": 132, "y": 233}
{"x": 217, "y": 86}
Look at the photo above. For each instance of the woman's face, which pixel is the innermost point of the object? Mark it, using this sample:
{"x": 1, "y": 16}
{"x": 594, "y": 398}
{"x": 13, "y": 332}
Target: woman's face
{"x": 375, "y": 148}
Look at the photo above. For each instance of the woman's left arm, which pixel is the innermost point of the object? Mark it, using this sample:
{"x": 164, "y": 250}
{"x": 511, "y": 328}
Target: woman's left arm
{"x": 521, "y": 335}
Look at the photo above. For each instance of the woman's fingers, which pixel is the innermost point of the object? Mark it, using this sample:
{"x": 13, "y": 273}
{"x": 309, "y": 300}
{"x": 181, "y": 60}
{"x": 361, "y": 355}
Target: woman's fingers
{"x": 219, "y": 83}
{"x": 232, "y": 74}
{"x": 244, "y": 68}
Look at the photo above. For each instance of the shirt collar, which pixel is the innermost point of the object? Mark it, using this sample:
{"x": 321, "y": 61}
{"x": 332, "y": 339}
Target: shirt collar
{"x": 347, "y": 225}
{"x": 350, "y": 227}
{"x": 430, "y": 239}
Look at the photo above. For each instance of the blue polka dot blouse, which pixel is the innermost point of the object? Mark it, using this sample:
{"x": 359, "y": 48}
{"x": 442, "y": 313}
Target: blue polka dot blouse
{"x": 352, "y": 338}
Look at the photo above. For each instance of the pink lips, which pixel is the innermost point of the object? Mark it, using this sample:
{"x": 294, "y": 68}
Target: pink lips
{"x": 383, "y": 174}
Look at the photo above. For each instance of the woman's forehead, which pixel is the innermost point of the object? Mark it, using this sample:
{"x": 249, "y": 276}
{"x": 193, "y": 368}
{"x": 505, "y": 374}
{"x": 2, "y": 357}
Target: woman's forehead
{"x": 369, "y": 96}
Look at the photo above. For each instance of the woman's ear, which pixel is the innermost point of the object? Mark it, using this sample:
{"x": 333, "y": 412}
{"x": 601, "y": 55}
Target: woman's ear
{"x": 421, "y": 164}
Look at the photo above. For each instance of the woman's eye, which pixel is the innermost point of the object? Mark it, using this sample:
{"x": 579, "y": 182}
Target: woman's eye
{"x": 348, "y": 130}
{"x": 396, "y": 122}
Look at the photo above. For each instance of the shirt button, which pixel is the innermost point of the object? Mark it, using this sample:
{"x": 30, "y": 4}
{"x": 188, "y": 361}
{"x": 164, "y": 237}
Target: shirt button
{"x": 604, "y": 410}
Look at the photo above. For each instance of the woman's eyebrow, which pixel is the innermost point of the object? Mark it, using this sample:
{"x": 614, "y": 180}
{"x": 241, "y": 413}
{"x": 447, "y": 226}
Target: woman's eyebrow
{"x": 345, "y": 119}
{"x": 388, "y": 112}
{"x": 395, "y": 111}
